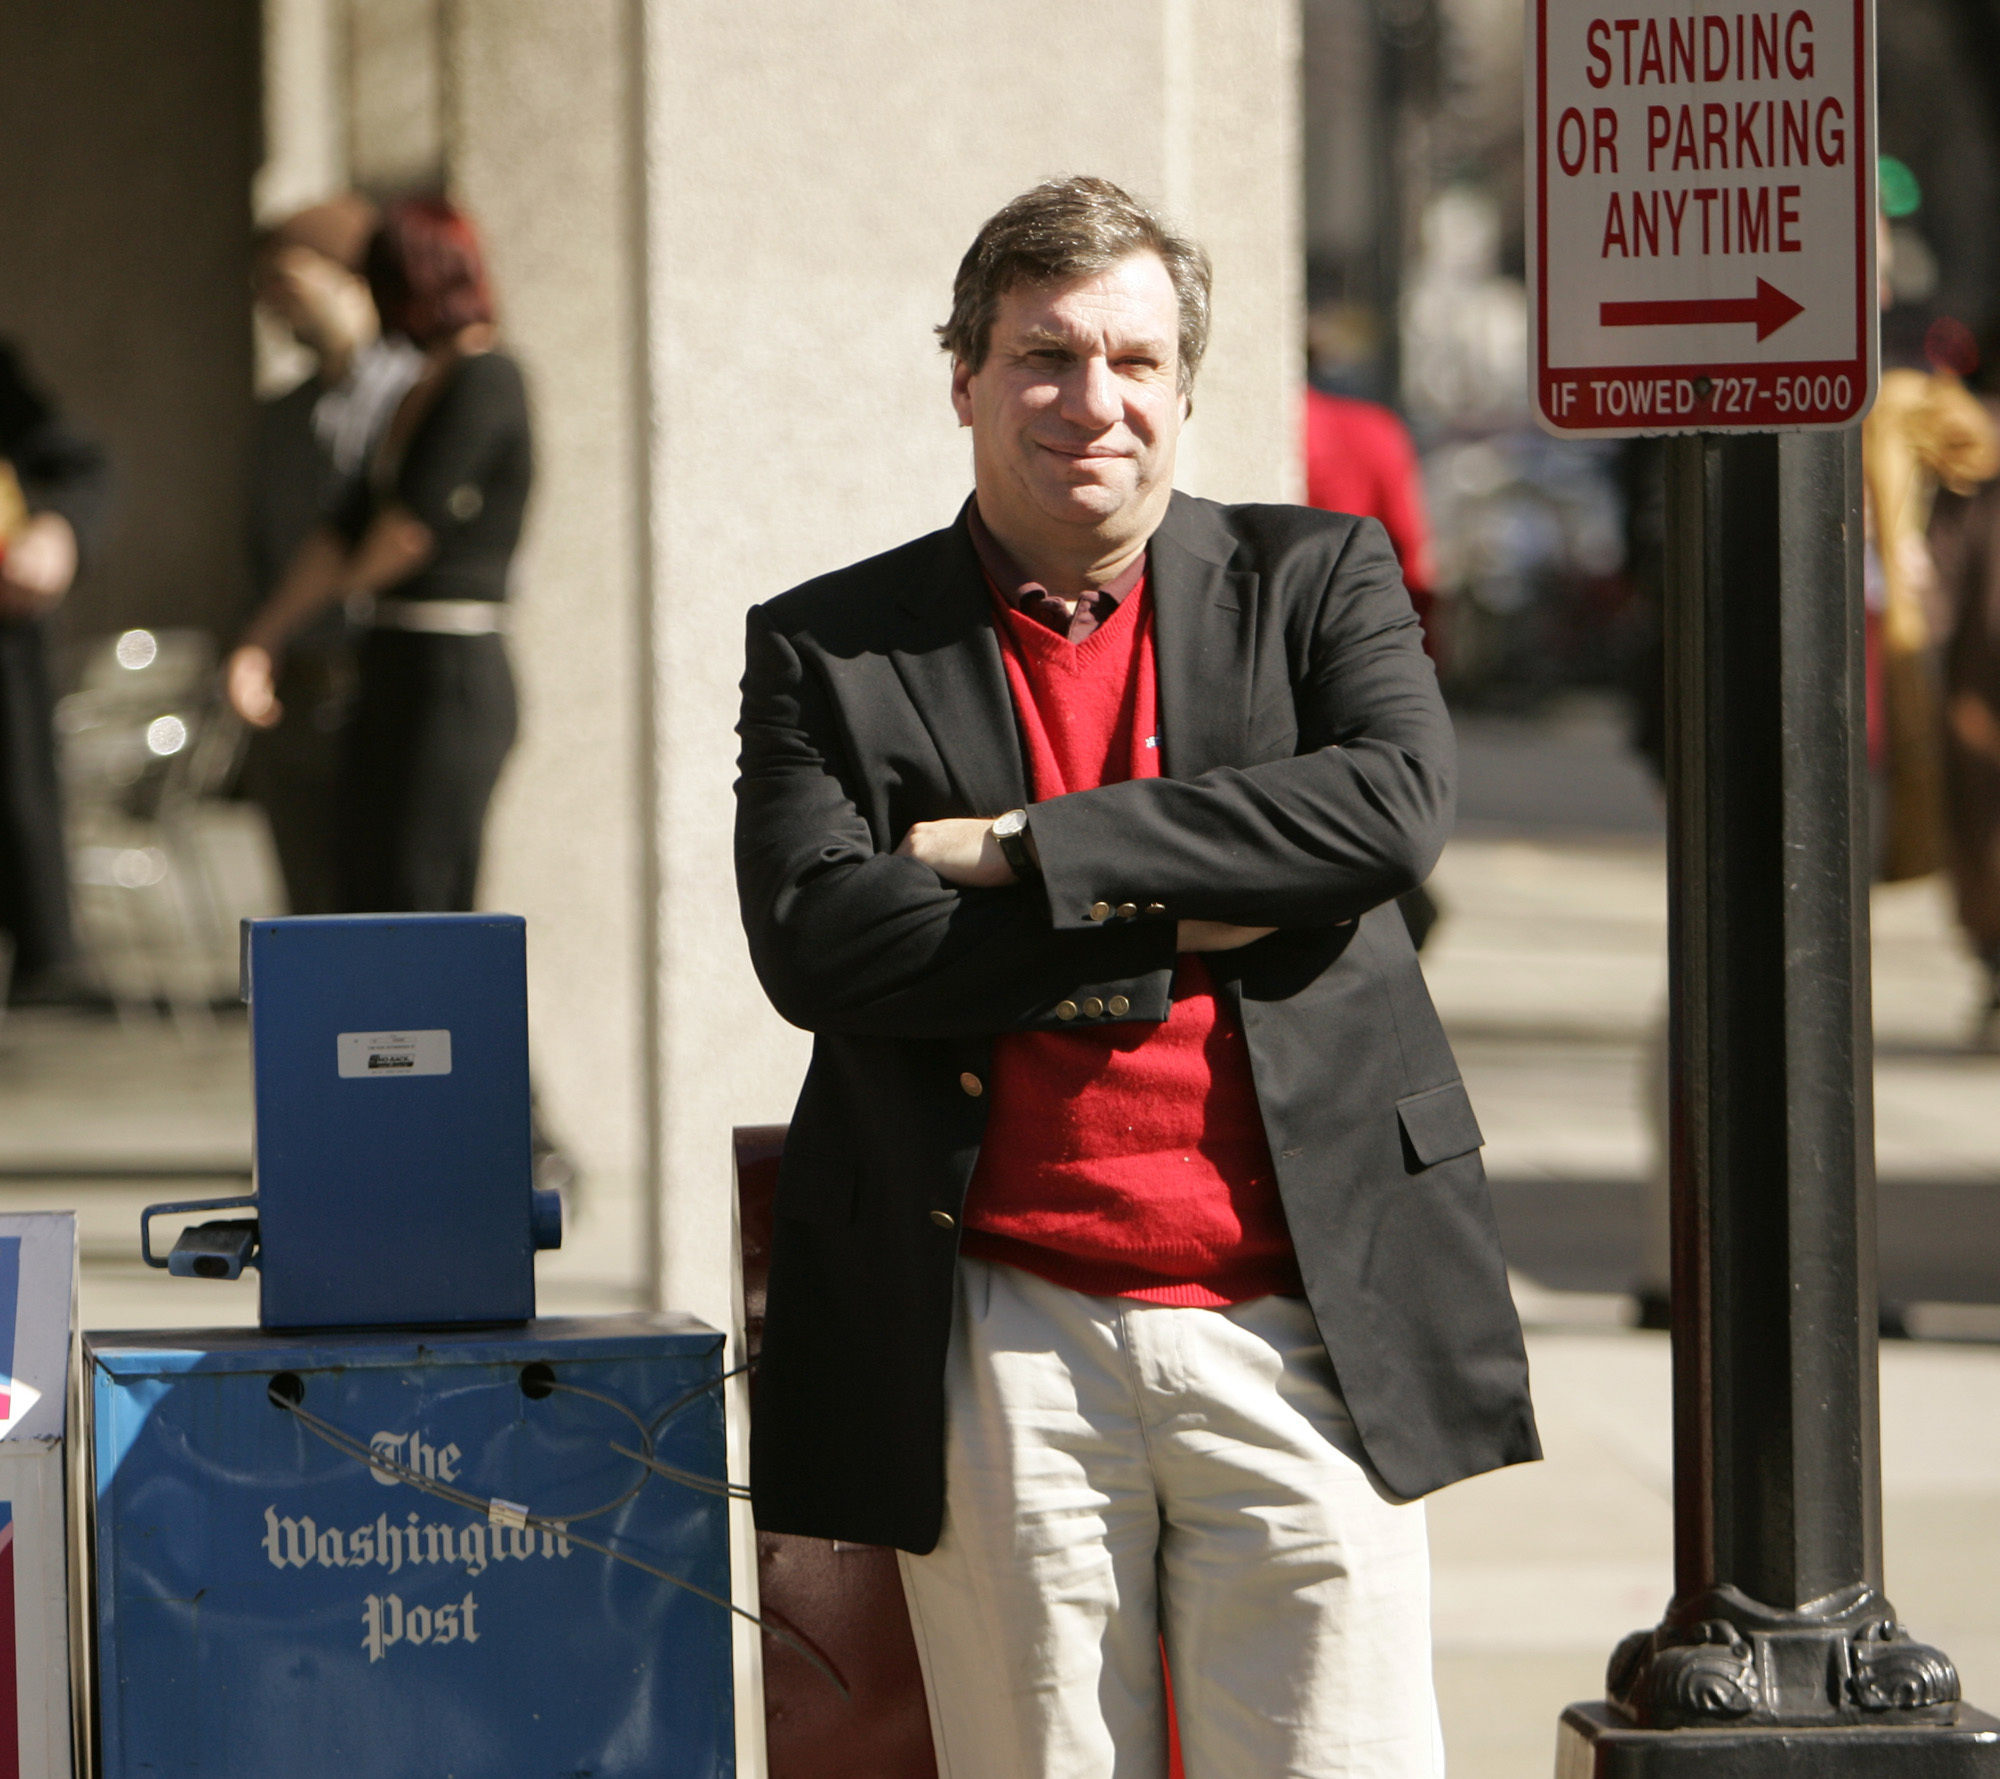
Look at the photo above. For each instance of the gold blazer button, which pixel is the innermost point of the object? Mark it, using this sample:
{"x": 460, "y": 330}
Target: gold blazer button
{"x": 1118, "y": 1006}
{"x": 1065, "y": 1009}
{"x": 972, "y": 1084}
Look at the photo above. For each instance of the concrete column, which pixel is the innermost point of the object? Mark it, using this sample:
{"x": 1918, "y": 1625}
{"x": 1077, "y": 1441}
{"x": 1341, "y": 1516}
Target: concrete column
{"x": 305, "y": 126}
{"x": 305, "y": 149}
{"x": 397, "y": 88}
{"x": 541, "y": 140}
{"x": 720, "y": 252}
{"x": 128, "y": 140}
{"x": 780, "y": 258}
{"x": 1233, "y": 175}
{"x": 809, "y": 190}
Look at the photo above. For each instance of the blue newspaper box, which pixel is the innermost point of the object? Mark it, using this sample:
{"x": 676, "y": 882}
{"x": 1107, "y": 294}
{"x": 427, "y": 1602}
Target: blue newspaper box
{"x": 268, "y": 1602}
{"x": 390, "y": 1056}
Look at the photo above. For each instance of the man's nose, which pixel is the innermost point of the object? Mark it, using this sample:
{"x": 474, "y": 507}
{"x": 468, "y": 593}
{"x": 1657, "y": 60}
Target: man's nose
{"x": 1093, "y": 397}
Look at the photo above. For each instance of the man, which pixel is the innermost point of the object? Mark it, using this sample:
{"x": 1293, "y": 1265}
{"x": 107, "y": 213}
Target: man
{"x": 52, "y": 493}
{"x": 1134, "y": 1268}
{"x": 313, "y": 446}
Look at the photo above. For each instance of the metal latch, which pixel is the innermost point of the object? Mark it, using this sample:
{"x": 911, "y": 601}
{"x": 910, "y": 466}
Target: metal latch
{"x": 218, "y": 1250}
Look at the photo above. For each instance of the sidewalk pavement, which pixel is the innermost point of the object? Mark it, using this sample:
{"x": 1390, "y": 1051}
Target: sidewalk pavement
{"x": 1539, "y": 1571}
{"x": 104, "y": 1117}
{"x": 1549, "y": 969}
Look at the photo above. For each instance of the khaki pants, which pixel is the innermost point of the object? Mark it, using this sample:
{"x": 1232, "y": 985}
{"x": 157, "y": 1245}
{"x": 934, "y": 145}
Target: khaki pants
{"x": 1118, "y": 1472}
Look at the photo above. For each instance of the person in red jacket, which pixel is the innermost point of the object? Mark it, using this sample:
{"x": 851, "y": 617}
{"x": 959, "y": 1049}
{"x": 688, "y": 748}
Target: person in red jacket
{"x": 1360, "y": 459}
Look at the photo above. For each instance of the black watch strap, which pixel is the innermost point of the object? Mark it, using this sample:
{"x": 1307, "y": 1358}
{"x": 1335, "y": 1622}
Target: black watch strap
{"x": 1013, "y": 841}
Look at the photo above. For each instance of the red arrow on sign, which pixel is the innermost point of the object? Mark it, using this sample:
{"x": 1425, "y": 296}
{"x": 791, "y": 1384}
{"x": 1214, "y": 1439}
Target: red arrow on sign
{"x": 1770, "y": 309}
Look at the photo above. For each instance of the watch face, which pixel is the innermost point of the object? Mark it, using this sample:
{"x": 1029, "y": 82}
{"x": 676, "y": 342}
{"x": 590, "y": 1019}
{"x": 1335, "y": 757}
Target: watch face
{"x": 1011, "y": 823}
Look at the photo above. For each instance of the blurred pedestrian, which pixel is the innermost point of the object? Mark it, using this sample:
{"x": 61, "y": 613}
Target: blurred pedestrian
{"x": 1965, "y": 545}
{"x": 52, "y": 489}
{"x": 1924, "y": 433}
{"x": 312, "y": 447}
{"x": 423, "y": 551}
{"x": 1360, "y": 459}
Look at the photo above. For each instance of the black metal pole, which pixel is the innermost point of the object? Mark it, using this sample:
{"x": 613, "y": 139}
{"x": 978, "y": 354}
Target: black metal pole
{"x": 1779, "y": 1653}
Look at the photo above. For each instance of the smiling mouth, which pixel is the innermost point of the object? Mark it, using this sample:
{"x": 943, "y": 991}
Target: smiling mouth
{"x": 1085, "y": 453}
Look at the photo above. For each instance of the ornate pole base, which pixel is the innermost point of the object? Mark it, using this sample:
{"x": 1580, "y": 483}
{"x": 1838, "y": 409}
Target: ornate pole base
{"x": 1728, "y": 1686}
{"x": 1597, "y": 1742}
{"x": 1723, "y": 1659}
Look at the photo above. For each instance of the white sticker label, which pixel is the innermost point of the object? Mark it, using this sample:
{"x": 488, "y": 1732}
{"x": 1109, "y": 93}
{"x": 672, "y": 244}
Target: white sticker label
{"x": 16, "y": 1398}
{"x": 379, "y": 1055}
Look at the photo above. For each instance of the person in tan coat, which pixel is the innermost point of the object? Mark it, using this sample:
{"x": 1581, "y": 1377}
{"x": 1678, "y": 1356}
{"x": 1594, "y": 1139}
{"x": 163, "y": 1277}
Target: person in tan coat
{"x": 1965, "y": 547}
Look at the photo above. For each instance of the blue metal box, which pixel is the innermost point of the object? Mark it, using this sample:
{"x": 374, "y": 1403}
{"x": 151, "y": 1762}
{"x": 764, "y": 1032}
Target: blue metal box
{"x": 267, "y": 1604}
{"x": 390, "y": 1054}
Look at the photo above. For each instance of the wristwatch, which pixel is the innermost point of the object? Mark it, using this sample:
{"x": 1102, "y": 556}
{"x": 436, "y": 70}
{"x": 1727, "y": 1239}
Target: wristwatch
{"x": 1011, "y": 831}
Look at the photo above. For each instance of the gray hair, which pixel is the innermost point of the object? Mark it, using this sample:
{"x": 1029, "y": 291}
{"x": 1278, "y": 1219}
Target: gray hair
{"x": 1069, "y": 228}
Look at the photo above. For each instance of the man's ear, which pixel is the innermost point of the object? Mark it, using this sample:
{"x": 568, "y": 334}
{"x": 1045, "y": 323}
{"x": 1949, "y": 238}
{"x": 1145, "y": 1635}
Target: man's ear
{"x": 961, "y": 391}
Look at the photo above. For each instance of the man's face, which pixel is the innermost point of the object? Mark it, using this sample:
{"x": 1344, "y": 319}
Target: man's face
{"x": 1077, "y": 410}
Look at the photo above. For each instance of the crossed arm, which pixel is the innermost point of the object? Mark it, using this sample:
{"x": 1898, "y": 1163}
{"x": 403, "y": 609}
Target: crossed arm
{"x": 935, "y": 938}
{"x": 962, "y": 850}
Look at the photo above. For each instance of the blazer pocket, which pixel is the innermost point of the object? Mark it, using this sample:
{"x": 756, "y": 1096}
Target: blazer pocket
{"x": 815, "y": 1186}
{"x": 1438, "y": 1124}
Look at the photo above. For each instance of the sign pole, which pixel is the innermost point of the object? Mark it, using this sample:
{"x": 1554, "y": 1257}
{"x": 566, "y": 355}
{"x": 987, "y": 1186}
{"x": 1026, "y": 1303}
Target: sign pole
{"x": 1702, "y": 216}
{"x": 1779, "y": 1652}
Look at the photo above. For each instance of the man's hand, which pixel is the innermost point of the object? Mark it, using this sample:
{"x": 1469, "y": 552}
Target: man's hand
{"x": 39, "y": 566}
{"x": 1218, "y": 935}
{"x": 961, "y": 851}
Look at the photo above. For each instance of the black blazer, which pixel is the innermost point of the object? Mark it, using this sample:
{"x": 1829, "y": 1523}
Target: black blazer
{"x": 1308, "y": 767}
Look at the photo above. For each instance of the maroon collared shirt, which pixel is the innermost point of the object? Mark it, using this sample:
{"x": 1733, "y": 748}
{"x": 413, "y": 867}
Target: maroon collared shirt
{"x": 1093, "y": 606}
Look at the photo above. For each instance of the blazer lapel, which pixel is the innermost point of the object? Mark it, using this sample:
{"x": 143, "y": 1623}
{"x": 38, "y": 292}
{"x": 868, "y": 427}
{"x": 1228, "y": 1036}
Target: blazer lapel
{"x": 1203, "y": 632}
{"x": 950, "y": 664}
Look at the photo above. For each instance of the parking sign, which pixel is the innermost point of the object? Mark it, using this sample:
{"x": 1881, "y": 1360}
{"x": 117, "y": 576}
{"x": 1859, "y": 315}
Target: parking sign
{"x": 1701, "y": 217}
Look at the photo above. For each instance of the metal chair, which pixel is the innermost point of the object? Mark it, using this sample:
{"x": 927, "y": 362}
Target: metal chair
{"x": 162, "y": 867}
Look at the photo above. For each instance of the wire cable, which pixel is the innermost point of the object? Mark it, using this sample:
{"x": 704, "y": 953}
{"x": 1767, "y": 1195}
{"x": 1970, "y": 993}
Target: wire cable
{"x": 700, "y": 1390}
{"x": 645, "y": 1436}
{"x": 349, "y": 1446}
{"x": 687, "y": 1478}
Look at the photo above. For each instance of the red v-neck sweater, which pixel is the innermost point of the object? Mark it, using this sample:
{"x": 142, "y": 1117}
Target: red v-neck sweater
{"x": 1122, "y": 1159}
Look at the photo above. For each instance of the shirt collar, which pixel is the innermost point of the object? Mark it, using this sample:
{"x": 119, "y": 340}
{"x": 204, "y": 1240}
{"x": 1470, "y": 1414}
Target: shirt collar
{"x": 1012, "y": 584}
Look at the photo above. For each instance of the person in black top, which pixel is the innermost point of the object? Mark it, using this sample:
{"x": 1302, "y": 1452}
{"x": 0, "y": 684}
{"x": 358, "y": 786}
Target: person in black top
{"x": 428, "y": 537}
{"x": 52, "y": 490}
{"x": 312, "y": 447}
